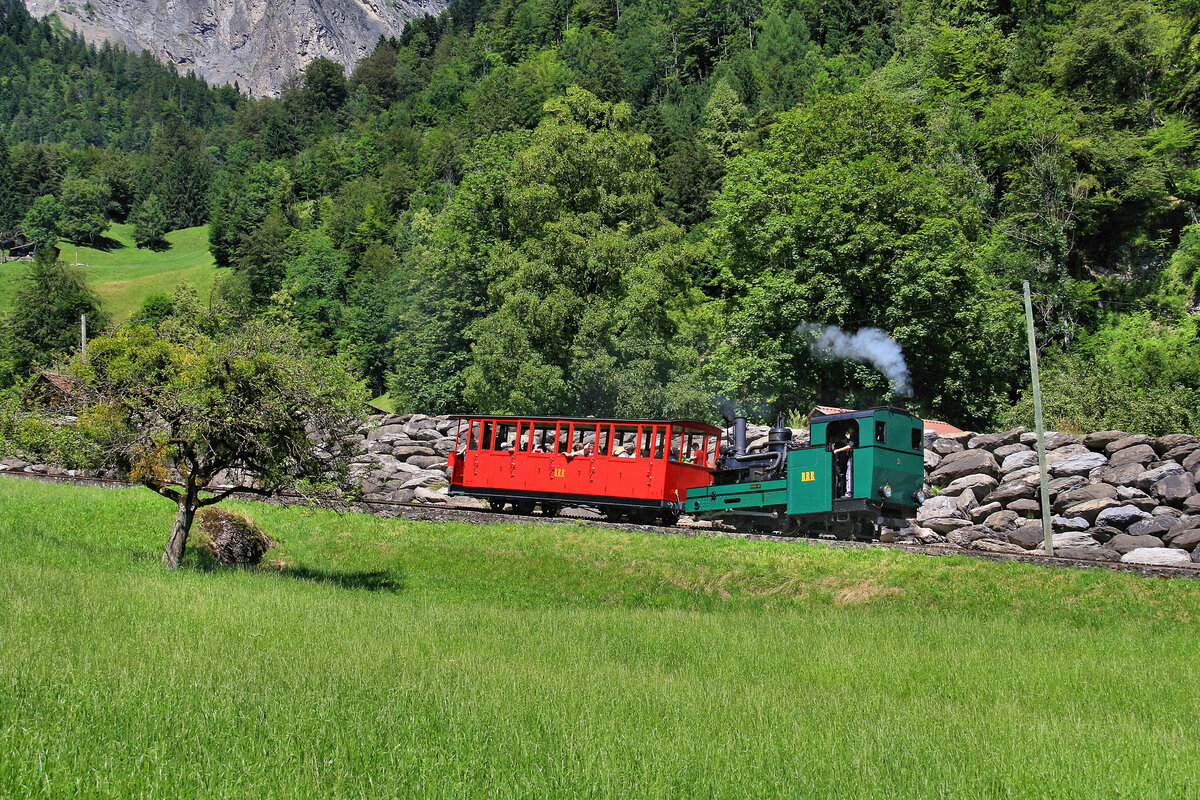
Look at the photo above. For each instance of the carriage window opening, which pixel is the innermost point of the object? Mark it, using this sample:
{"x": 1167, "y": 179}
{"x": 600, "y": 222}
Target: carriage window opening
{"x": 543, "y": 437}
{"x": 646, "y": 448}
{"x": 564, "y": 438}
{"x": 486, "y": 442}
{"x": 506, "y": 435}
{"x": 881, "y": 431}
{"x": 582, "y": 436}
{"x": 626, "y": 438}
{"x": 473, "y": 442}
{"x": 693, "y": 450}
{"x": 711, "y": 443}
{"x": 660, "y": 440}
{"x": 602, "y": 439}
{"x": 678, "y": 443}
{"x": 918, "y": 437}
{"x": 522, "y": 444}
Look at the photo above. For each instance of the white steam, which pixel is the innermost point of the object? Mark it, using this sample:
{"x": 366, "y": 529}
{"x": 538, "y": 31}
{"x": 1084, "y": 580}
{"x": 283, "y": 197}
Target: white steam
{"x": 867, "y": 346}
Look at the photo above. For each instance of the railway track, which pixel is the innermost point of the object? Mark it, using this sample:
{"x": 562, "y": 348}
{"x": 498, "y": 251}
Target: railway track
{"x": 436, "y": 513}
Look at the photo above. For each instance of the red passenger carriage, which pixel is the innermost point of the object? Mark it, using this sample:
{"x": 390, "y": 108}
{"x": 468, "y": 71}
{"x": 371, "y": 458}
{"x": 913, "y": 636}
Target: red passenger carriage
{"x": 636, "y": 469}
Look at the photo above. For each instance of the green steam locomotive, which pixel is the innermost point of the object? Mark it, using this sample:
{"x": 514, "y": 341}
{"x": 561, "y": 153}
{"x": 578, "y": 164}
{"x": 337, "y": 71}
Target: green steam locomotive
{"x": 859, "y": 471}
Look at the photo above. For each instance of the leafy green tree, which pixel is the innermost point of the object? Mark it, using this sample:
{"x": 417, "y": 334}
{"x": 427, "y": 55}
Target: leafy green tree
{"x": 173, "y": 409}
{"x": 44, "y": 320}
{"x": 42, "y": 226}
{"x": 149, "y": 222}
{"x": 841, "y": 219}
{"x": 84, "y": 209}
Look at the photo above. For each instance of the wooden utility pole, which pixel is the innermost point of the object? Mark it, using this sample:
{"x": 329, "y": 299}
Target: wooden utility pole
{"x": 1039, "y": 425}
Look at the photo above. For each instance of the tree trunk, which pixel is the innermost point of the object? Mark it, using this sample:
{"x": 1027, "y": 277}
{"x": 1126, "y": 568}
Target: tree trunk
{"x": 183, "y": 524}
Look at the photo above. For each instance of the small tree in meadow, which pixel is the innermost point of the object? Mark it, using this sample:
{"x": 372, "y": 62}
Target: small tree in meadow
{"x": 173, "y": 408}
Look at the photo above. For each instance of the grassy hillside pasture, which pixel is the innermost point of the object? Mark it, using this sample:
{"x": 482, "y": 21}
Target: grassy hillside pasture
{"x": 124, "y": 275}
{"x": 378, "y": 658}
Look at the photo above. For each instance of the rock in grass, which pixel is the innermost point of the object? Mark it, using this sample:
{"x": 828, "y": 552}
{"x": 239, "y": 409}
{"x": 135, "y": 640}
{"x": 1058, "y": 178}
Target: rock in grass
{"x": 231, "y": 538}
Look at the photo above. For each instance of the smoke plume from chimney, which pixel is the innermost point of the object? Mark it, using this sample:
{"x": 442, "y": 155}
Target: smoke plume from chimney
{"x": 867, "y": 346}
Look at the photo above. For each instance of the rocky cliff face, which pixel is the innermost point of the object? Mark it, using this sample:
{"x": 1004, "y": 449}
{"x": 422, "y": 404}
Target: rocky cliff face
{"x": 258, "y": 43}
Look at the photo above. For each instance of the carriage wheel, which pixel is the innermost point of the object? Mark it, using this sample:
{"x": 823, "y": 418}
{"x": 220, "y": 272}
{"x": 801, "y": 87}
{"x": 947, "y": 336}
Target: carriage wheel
{"x": 551, "y": 509}
{"x": 523, "y": 507}
{"x": 669, "y": 517}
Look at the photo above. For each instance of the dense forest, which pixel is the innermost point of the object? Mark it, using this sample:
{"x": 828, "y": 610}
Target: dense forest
{"x": 641, "y": 208}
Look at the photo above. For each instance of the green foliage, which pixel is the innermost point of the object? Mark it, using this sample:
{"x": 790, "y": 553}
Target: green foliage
{"x": 84, "y": 209}
{"x": 44, "y": 320}
{"x": 43, "y": 222}
{"x": 1135, "y": 374}
{"x": 149, "y": 222}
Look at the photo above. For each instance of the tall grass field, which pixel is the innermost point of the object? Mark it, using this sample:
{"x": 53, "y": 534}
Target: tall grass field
{"x": 123, "y": 275}
{"x": 383, "y": 658}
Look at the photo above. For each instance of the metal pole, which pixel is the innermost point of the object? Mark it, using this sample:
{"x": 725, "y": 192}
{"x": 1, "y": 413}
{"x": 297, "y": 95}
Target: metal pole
{"x": 1039, "y": 425}
{"x": 83, "y": 336}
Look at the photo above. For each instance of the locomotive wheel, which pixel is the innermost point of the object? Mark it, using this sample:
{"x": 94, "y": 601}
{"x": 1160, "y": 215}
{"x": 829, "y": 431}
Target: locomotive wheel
{"x": 523, "y": 507}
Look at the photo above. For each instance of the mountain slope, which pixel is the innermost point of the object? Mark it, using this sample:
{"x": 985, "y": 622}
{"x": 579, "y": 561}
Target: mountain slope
{"x": 257, "y": 43}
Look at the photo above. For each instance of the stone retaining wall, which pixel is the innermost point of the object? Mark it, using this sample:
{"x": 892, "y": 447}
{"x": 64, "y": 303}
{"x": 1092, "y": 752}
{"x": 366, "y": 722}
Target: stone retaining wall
{"x": 1113, "y": 496}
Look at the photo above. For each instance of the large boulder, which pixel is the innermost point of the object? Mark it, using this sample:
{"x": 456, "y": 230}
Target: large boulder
{"x": 1187, "y": 540}
{"x": 995, "y": 546}
{"x": 1007, "y": 450}
{"x": 412, "y": 449}
{"x": 1091, "y": 509}
{"x": 1003, "y": 520}
{"x": 980, "y": 485}
{"x": 1052, "y": 439}
{"x": 940, "y": 506}
{"x": 956, "y": 465}
{"x": 1072, "y": 539}
{"x": 1019, "y": 460}
{"x": 231, "y": 538}
{"x": 1179, "y": 530}
{"x": 990, "y": 441}
{"x": 1029, "y": 536}
{"x": 1158, "y": 556}
{"x": 1155, "y": 526}
{"x": 1089, "y": 553}
{"x": 427, "y": 478}
{"x": 1128, "y": 441}
{"x": 1181, "y": 452}
{"x": 1150, "y": 477}
{"x": 1068, "y": 483}
{"x": 1136, "y": 454}
{"x": 1174, "y": 489}
{"x": 1121, "y": 516}
{"x": 1192, "y": 462}
{"x": 1061, "y": 524}
{"x": 1105, "y": 533}
{"x": 1025, "y": 475}
{"x": 1006, "y": 493}
{"x": 981, "y": 513}
{"x": 1102, "y": 439}
{"x": 932, "y": 460}
{"x": 1124, "y": 543}
{"x": 1120, "y": 476}
{"x": 1093, "y": 491}
{"x": 385, "y": 430}
{"x": 1073, "y": 459}
{"x": 1130, "y": 496}
{"x": 946, "y": 525}
{"x": 1173, "y": 440}
{"x": 944, "y": 447}
{"x": 1025, "y": 507}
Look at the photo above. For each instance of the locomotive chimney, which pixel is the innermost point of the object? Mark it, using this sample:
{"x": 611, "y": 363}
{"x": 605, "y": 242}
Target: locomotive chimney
{"x": 739, "y": 436}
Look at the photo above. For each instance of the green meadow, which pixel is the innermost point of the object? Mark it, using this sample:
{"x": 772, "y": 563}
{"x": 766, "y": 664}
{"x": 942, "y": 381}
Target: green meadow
{"x": 383, "y": 658}
{"x": 124, "y": 276}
